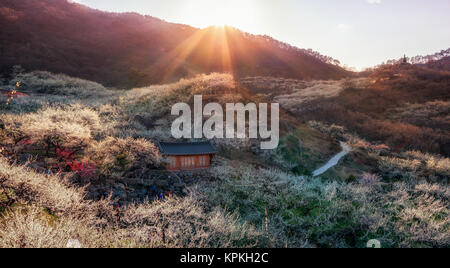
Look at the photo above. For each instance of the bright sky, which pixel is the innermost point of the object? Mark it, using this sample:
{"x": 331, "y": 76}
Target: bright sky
{"x": 359, "y": 33}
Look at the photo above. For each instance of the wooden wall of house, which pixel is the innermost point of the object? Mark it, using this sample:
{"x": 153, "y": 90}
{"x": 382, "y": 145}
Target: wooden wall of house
{"x": 189, "y": 162}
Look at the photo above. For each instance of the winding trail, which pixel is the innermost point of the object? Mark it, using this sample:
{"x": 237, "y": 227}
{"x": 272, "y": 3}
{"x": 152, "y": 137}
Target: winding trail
{"x": 334, "y": 161}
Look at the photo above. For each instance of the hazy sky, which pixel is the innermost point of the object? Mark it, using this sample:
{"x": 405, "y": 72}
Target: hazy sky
{"x": 359, "y": 33}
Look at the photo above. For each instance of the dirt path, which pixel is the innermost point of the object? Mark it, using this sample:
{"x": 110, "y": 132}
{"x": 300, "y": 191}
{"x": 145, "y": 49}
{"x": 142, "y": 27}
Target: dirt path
{"x": 333, "y": 161}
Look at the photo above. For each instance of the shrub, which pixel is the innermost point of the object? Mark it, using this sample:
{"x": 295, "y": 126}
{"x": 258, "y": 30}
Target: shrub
{"x": 301, "y": 212}
{"x": 405, "y": 214}
{"x": 51, "y": 212}
{"x": 116, "y": 154}
{"x": 415, "y": 165}
{"x": 369, "y": 179}
{"x": 69, "y": 128}
{"x": 157, "y": 101}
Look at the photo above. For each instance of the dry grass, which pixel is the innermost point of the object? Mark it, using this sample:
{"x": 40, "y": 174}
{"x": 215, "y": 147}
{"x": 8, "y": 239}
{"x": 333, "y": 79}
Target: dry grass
{"x": 45, "y": 191}
{"x": 312, "y": 91}
{"x": 157, "y": 100}
{"x": 236, "y": 204}
{"x": 405, "y": 214}
{"x": 60, "y": 84}
{"x": 416, "y": 165}
{"x": 309, "y": 212}
{"x": 73, "y": 123}
{"x": 427, "y": 110}
{"x": 48, "y": 212}
{"x": 115, "y": 154}
{"x": 292, "y": 93}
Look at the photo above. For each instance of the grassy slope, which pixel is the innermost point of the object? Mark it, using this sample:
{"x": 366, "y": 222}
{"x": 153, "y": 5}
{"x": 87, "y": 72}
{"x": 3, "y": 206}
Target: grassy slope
{"x": 229, "y": 206}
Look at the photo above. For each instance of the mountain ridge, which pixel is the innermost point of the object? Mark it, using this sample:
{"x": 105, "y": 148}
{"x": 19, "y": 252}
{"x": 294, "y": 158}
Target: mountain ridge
{"x": 129, "y": 49}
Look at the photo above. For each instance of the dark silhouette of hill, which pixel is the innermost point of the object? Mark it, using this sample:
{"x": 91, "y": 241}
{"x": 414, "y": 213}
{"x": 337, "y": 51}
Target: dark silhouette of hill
{"x": 129, "y": 49}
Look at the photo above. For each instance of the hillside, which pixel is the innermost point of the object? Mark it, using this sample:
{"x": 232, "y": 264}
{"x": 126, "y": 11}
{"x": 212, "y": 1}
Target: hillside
{"x": 403, "y": 106}
{"x": 79, "y": 161}
{"x": 128, "y": 50}
{"x": 441, "y": 64}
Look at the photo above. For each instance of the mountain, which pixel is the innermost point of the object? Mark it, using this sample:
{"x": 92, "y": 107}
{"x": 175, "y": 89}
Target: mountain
{"x": 129, "y": 49}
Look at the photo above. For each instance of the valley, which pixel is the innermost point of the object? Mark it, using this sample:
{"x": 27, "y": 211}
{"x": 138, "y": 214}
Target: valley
{"x": 88, "y": 98}
{"x": 87, "y": 141}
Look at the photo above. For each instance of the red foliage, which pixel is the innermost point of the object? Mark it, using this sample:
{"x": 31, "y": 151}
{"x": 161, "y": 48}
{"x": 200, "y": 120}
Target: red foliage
{"x": 64, "y": 154}
{"x": 85, "y": 169}
{"x": 72, "y": 165}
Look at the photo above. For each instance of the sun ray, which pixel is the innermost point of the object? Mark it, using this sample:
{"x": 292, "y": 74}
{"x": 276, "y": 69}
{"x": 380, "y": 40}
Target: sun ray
{"x": 176, "y": 58}
{"x": 216, "y": 52}
{"x": 227, "y": 63}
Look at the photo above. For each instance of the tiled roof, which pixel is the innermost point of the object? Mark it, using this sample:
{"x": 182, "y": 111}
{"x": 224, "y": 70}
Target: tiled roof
{"x": 186, "y": 148}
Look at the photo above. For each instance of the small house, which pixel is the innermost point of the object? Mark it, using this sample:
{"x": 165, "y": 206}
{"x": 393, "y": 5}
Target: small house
{"x": 187, "y": 155}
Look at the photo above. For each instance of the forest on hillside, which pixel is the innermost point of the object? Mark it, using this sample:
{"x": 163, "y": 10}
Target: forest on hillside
{"x": 130, "y": 50}
{"x": 404, "y": 106}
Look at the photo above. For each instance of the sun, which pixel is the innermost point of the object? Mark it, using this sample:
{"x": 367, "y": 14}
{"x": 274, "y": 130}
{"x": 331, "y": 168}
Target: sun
{"x": 236, "y": 13}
